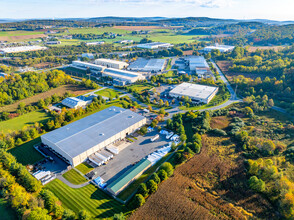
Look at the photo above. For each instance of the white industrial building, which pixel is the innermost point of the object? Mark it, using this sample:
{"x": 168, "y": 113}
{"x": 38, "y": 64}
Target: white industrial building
{"x": 123, "y": 76}
{"x": 154, "y": 45}
{"x": 221, "y": 48}
{"x": 198, "y": 65}
{"x": 21, "y": 49}
{"x": 88, "y": 55}
{"x": 73, "y": 102}
{"x": 112, "y": 63}
{"x": 196, "y": 92}
{"x": 81, "y": 139}
{"x": 84, "y": 66}
{"x": 53, "y": 42}
{"x": 95, "y": 43}
{"x": 148, "y": 65}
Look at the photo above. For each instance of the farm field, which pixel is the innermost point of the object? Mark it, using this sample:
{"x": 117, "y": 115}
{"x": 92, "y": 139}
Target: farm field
{"x": 137, "y": 28}
{"x": 211, "y": 185}
{"x": 96, "y": 202}
{"x": 275, "y": 48}
{"x": 20, "y": 35}
{"x": 74, "y": 177}
{"x": 84, "y": 168}
{"x": 173, "y": 39}
{"x": 109, "y": 93}
{"x": 73, "y": 89}
{"x": 29, "y": 119}
{"x": 26, "y": 153}
{"x": 96, "y": 30}
{"x": 6, "y": 212}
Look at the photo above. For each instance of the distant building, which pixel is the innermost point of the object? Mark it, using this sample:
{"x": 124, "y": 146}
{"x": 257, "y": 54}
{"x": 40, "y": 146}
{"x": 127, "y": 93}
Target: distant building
{"x": 88, "y": 55}
{"x": 21, "y": 49}
{"x": 112, "y": 63}
{"x": 148, "y": 65}
{"x": 198, "y": 65}
{"x": 122, "y": 77}
{"x": 84, "y": 66}
{"x": 196, "y": 92}
{"x": 124, "y": 41}
{"x": 154, "y": 45}
{"x": 3, "y": 75}
{"x": 74, "y": 103}
{"x": 221, "y": 48}
{"x": 53, "y": 42}
{"x": 95, "y": 43}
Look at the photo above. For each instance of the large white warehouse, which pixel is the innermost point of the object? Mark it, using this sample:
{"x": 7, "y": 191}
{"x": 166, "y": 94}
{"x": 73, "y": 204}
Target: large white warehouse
{"x": 77, "y": 141}
{"x": 221, "y": 48}
{"x": 123, "y": 76}
{"x": 84, "y": 66}
{"x": 154, "y": 45}
{"x": 112, "y": 63}
{"x": 195, "y": 92}
{"x": 21, "y": 49}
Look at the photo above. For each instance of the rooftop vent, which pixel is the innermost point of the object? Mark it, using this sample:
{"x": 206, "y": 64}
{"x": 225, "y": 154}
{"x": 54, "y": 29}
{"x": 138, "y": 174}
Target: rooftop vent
{"x": 101, "y": 134}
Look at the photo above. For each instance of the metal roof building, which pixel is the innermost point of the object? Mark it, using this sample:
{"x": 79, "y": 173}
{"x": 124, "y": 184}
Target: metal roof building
{"x": 196, "y": 92}
{"x": 112, "y": 63}
{"x": 73, "y": 102}
{"x": 154, "y": 45}
{"x": 21, "y": 49}
{"x": 84, "y": 65}
{"x": 145, "y": 65}
{"x": 77, "y": 141}
{"x": 221, "y": 48}
{"x": 123, "y": 75}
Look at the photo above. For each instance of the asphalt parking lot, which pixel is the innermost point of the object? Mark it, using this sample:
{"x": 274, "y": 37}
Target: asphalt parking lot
{"x": 127, "y": 157}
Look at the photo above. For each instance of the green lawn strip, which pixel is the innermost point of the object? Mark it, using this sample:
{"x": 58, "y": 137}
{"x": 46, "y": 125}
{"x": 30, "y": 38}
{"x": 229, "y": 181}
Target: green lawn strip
{"x": 29, "y": 119}
{"x": 74, "y": 177}
{"x": 99, "y": 204}
{"x": 7, "y": 213}
{"x": 108, "y": 93}
{"x": 26, "y": 153}
{"x": 84, "y": 168}
{"x": 134, "y": 185}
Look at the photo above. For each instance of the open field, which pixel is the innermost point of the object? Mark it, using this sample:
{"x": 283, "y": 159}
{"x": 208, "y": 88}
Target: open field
{"x": 74, "y": 89}
{"x": 74, "y": 177}
{"x": 84, "y": 168}
{"x": 140, "y": 88}
{"x": 20, "y": 35}
{"x": 275, "y": 48}
{"x": 220, "y": 122}
{"x": 29, "y": 119}
{"x": 26, "y": 153}
{"x": 96, "y": 202}
{"x": 137, "y": 28}
{"x": 211, "y": 185}
{"x": 6, "y": 212}
{"x": 96, "y": 30}
{"x": 109, "y": 93}
{"x": 224, "y": 66}
{"x": 173, "y": 39}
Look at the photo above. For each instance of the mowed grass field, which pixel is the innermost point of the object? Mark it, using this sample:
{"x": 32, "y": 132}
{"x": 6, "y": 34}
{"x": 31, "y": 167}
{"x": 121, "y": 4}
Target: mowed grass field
{"x": 26, "y": 153}
{"x": 84, "y": 168}
{"x": 96, "y": 30}
{"x": 95, "y": 201}
{"x": 6, "y": 212}
{"x": 140, "y": 88}
{"x": 20, "y": 35}
{"x": 29, "y": 119}
{"x": 74, "y": 177}
{"x": 173, "y": 39}
{"x": 110, "y": 93}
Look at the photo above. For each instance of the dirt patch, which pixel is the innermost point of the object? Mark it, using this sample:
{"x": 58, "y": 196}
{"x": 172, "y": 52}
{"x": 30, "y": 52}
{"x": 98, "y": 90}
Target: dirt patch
{"x": 275, "y": 48}
{"x": 74, "y": 89}
{"x": 22, "y": 37}
{"x": 188, "y": 52}
{"x": 212, "y": 185}
{"x": 220, "y": 122}
{"x": 45, "y": 65}
{"x": 137, "y": 28}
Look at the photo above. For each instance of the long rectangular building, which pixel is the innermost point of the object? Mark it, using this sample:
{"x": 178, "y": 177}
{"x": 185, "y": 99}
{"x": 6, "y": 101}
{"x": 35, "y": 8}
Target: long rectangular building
{"x": 21, "y": 49}
{"x": 195, "y": 92}
{"x": 79, "y": 140}
{"x": 148, "y": 65}
{"x": 112, "y": 63}
{"x": 123, "y": 76}
{"x": 84, "y": 66}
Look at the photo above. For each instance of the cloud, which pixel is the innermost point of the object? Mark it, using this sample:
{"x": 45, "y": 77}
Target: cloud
{"x": 199, "y": 3}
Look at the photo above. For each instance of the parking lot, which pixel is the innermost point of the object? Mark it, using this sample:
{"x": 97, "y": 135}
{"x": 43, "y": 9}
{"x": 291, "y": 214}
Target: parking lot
{"x": 129, "y": 156}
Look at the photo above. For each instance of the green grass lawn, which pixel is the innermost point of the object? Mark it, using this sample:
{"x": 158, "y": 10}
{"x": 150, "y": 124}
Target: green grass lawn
{"x": 97, "y": 30}
{"x": 7, "y": 213}
{"x": 28, "y": 119}
{"x": 18, "y": 33}
{"x": 96, "y": 202}
{"x": 141, "y": 87}
{"x": 110, "y": 93}
{"x": 84, "y": 168}
{"x": 74, "y": 177}
{"x": 172, "y": 38}
{"x": 26, "y": 153}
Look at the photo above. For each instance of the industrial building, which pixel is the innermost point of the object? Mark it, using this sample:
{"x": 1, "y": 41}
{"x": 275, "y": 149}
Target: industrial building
{"x": 122, "y": 77}
{"x": 154, "y": 45}
{"x": 198, "y": 65}
{"x": 148, "y": 65}
{"x": 3, "y": 75}
{"x": 53, "y": 42}
{"x": 88, "y": 55}
{"x": 73, "y": 102}
{"x": 196, "y": 92}
{"x": 84, "y": 66}
{"x": 112, "y": 63}
{"x": 81, "y": 139}
{"x": 21, "y": 49}
{"x": 221, "y": 48}
{"x": 95, "y": 43}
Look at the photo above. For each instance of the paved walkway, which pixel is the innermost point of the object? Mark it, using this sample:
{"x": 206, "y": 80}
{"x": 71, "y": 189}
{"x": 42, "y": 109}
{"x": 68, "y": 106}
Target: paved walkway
{"x": 62, "y": 179}
{"x": 93, "y": 92}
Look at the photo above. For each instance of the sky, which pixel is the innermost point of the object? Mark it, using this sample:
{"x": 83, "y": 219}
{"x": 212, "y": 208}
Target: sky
{"x": 237, "y": 9}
